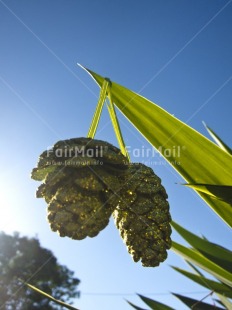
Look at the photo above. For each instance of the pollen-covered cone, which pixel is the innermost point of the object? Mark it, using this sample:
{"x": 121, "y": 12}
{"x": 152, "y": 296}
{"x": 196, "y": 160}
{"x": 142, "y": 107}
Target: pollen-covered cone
{"x": 79, "y": 179}
{"x": 142, "y": 216}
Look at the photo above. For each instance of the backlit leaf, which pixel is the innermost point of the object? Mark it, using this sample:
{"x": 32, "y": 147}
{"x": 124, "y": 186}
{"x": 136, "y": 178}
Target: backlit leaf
{"x": 218, "y": 140}
{"x": 209, "y": 284}
{"x": 214, "y": 252}
{"x": 201, "y": 261}
{"x": 199, "y": 159}
{"x": 222, "y": 192}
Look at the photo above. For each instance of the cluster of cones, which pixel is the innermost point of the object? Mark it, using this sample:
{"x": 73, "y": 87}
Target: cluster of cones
{"x": 86, "y": 180}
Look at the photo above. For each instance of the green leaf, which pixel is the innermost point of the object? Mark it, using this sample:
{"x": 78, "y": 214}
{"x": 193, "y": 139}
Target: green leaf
{"x": 222, "y": 192}
{"x": 214, "y": 252}
{"x": 154, "y": 304}
{"x": 209, "y": 163}
{"x": 195, "y": 257}
{"x": 225, "y": 302}
{"x": 58, "y": 302}
{"x": 195, "y": 269}
{"x": 196, "y": 304}
{"x": 209, "y": 284}
{"x": 134, "y": 306}
{"x": 218, "y": 140}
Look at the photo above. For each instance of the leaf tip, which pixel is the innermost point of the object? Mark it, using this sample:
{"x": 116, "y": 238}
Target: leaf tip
{"x": 203, "y": 122}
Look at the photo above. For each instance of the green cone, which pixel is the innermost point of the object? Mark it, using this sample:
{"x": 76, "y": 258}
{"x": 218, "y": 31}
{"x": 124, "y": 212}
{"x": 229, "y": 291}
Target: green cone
{"x": 142, "y": 216}
{"x": 79, "y": 179}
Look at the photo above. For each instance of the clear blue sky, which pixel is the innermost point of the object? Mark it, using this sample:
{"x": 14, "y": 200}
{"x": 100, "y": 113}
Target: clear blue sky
{"x": 177, "y": 53}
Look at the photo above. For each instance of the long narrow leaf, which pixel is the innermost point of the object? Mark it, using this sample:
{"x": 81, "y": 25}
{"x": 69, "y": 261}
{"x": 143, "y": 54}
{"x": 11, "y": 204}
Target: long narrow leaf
{"x": 154, "y": 305}
{"x": 197, "y": 305}
{"x": 226, "y": 302}
{"x": 58, "y": 302}
{"x": 195, "y": 269}
{"x": 222, "y": 192}
{"x": 214, "y": 252}
{"x": 134, "y": 306}
{"x": 218, "y": 140}
{"x": 209, "y": 163}
{"x": 209, "y": 284}
{"x": 223, "y": 301}
{"x": 201, "y": 261}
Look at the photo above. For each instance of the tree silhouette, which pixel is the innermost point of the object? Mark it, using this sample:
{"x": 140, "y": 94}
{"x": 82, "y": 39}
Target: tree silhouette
{"x": 23, "y": 258}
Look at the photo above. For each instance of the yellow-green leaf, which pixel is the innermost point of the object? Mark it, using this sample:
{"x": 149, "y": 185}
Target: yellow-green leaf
{"x": 195, "y": 257}
{"x": 210, "y": 284}
{"x": 199, "y": 159}
{"x": 225, "y": 301}
{"x": 97, "y": 113}
{"x": 222, "y": 192}
{"x": 214, "y": 252}
{"x": 218, "y": 140}
{"x": 116, "y": 126}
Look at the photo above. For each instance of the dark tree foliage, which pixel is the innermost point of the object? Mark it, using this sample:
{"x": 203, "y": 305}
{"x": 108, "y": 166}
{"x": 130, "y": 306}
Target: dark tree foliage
{"x": 24, "y": 258}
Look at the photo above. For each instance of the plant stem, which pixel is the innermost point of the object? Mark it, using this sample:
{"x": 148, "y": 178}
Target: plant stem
{"x": 116, "y": 126}
{"x": 97, "y": 114}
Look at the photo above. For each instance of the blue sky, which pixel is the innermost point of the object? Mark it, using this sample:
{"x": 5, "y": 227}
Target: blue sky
{"x": 177, "y": 53}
